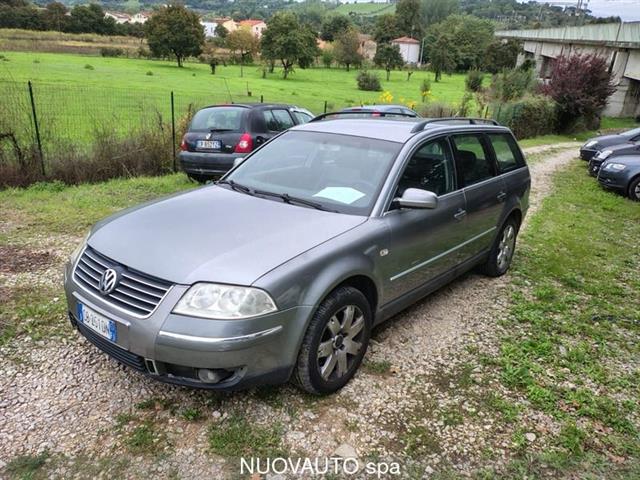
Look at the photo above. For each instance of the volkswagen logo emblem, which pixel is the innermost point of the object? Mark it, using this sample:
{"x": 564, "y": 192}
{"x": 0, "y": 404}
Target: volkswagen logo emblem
{"x": 108, "y": 281}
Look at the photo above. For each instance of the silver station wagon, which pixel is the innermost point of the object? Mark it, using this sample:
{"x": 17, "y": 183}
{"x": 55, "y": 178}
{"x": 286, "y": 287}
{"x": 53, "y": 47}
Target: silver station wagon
{"x": 280, "y": 270}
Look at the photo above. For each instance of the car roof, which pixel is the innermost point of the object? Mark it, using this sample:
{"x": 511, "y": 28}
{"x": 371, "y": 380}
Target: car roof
{"x": 383, "y": 107}
{"x": 251, "y": 105}
{"x": 396, "y": 130}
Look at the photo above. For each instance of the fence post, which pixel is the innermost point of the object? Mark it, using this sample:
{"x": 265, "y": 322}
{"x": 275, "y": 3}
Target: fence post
{"x": 325, "y": 106}
{"x": 173, "y": 132}
{"x": 261, "y": 98}
{"x": 37, "y": 126}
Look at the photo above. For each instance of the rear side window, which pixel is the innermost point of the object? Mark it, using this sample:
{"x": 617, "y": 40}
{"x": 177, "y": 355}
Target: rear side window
{"x": 507, "y": 153}
{"x": 219, "y": 119}
{"x": 277, "y": 120}
{"x": 302, "y": 117}
{"x": 473, "y": 161}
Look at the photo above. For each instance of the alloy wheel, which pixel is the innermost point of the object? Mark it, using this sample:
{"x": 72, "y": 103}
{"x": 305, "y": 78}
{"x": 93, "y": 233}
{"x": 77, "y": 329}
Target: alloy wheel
{"x": 506, "y": 247}
{"x": 341, "y": 342}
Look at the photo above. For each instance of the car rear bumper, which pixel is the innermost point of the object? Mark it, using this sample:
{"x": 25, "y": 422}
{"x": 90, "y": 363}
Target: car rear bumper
{"x": 208, "y": 164}
{"x": 174, "y": 348}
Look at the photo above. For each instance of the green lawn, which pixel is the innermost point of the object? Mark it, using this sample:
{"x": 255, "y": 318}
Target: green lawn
{"x": 73, "y": 90}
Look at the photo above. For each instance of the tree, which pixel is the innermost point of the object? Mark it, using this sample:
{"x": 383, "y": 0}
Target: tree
{"x": 244, "y": 43}
{"x": 327, "y": 57}
{"x": 386, "y": 28}
{"x": 435, "y": 11}
{"x": 345, "y": 48}
{"x": 90, "y": 19}
{"x": 287, "y": 41}
{"x": 440, "y": 51}
{"x": 470, "y": 38}
{"x": 56, "y": 17}
{"x": 409, "y": 18}
{"x": 174, "y": 30}
{"x": 333, "y": 25}
{"x": 221, "y": 31}
{"x": 501, "y": 54}
{"x": 580, "y": 85}
{"x": 388, "y": 57}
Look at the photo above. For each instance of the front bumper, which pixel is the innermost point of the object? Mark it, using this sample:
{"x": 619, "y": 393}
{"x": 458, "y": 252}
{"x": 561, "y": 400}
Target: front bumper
{"x": 594, "y": 166}
{"x": 587, "y": 153}
{"x": 614, "y": 180}
{"x": 208, "y": 164}
{"x": 174, "y": 348}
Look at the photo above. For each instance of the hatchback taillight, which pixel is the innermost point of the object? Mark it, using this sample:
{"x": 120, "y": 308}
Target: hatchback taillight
{"x": 245, "y": 144}
{"x": 183, "y": 145}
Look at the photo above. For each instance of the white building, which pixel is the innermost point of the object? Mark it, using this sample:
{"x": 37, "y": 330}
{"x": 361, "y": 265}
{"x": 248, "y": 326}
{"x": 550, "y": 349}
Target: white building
{"x": 118, "y": 17}
{"x": 209, "y": 28}
{"x": 140, "y": 17}
{"x": 254, "y": 26}
{"x": 409, "y": 48}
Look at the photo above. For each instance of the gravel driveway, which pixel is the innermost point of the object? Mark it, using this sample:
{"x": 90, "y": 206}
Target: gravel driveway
{"x": 414, "y": 400}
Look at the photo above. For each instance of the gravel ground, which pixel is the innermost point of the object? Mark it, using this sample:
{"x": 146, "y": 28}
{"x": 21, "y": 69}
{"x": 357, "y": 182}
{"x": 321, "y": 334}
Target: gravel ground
{"x": 63, "y": 397}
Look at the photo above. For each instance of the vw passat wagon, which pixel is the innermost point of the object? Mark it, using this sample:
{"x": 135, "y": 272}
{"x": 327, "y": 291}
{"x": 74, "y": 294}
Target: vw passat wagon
{"x": 280, "y": 270}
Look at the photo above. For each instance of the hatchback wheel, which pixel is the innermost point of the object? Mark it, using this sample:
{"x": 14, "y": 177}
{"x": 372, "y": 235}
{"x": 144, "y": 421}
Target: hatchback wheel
{"x": 335, "y": 342}
{"x": 502, "y": 251}
{"x": 634, "y": 190}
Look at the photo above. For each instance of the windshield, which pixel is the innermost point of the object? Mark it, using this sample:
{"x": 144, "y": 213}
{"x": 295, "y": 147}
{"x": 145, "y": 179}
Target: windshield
{"x": 632, "y": 133}
{"x": 340, "y": 172}
{"x": 218, "y": 118}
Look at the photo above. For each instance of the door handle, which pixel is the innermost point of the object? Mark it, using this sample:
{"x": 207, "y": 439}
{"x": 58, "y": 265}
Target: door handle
{"x": 460, "y": 214}
{"x": 502, "y": 196}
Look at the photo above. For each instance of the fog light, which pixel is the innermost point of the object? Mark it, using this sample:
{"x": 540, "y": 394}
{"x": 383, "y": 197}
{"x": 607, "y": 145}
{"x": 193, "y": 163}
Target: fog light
{"x": 208, "y": 376}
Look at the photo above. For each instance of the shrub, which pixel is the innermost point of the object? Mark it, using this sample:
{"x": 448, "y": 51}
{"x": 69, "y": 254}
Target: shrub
{"x": 425, "y": 89}
{"x": 368, "y": 81}
{"x": 111, "y": 52}
{"x": 511, "y": 84}
{"x": 580, "y": 85}
{"x": 88, "y": 67}
{"x": 474, "y": 80}
{"x": 438, "y": 110}
{"x": 149, "y": 73}
{"x": 532, "y": 116}
{"x": 327, "y": 57}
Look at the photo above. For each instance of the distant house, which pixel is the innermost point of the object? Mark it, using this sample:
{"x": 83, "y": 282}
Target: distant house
{"x": 409, "y": 48}
{"x": 209, "y": 28}
{"x": 254, "y": 26}
{"x": 229, "y": 24}
{"x": 140, "y": 17}
{"x": 366, "y": 46}
{"x": 118, "y": 17}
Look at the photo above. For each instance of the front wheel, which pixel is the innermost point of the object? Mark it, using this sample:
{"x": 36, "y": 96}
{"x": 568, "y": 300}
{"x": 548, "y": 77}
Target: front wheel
{"x": 634, "y": 190}
{"x": 335, "y": 342}
{"x": 502, "y": 251}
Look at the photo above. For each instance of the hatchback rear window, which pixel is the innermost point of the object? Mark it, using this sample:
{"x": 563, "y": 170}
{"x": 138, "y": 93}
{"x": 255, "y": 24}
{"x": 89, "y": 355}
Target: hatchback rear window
{"x": 219, "y": 119}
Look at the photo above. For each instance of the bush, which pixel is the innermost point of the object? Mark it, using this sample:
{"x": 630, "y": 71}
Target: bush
{"x": 532, "y": 116}
{"x": 369, "y": 82}
{"x": 438, "y": 110}
{"x": 474, "y": 80}
{"x": 111, "y": 52}
{"x": 511, "y": 84}
{"x": 580, "y": 85}
{"x": 425, "y": 89}
{"x": 149, "y": 73}
{"x": 88, "y": 67}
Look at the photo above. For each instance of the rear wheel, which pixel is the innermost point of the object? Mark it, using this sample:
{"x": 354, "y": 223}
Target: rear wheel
{"x": 335, "y": 342}
{"x": 502, "y": 251}
{"x": 634, "y": 190}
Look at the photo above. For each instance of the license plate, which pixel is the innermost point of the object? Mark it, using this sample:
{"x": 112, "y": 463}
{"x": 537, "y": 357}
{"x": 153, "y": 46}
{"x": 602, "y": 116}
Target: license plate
{"x": 208, "y": 144}
{"x": 96, "y": 322}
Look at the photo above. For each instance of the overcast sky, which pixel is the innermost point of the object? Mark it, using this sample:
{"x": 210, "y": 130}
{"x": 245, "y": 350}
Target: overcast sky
{"x": 628, "y": 10}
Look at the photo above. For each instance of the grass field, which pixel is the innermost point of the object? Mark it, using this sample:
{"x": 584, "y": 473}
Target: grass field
{"x": 71, "y": 87}
{"x": 367, "y": 9}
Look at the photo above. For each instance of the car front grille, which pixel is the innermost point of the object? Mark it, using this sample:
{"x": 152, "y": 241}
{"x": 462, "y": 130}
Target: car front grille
{"x": 136, "y": 293}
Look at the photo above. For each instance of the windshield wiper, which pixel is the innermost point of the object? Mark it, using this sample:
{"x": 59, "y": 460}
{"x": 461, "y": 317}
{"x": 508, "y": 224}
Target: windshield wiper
{"x": 286, "y": 198}
{"x": 236, "y": 186}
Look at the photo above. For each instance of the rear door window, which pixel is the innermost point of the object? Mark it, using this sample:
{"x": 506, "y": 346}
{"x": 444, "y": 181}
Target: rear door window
{"x": 277, "y": 120}
{"x": 473, "y": 160}
{"x": 302, "y": 117}
{"x": 507, "y": 152}
{"x": 219, "y": 119}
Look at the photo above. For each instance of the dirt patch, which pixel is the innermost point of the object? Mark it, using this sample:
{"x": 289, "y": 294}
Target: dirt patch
{"x": 19, "y": 259}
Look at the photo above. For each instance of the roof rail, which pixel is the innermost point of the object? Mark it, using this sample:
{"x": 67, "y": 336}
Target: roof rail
{"x": 375, "y": 113}
{"x": 472, "y": 121}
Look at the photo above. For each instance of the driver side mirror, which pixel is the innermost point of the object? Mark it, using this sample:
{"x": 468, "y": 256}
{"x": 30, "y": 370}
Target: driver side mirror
{"x": 417, "y": 198}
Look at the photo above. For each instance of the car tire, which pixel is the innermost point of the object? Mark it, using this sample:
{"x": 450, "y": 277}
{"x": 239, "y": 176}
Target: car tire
{"x": 335, "y": 342}
{"x": 502, "y": 251}
{"x": 634, "y": 190}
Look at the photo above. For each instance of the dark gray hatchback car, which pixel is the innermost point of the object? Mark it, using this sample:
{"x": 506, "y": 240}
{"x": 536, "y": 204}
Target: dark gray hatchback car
{"x": 280, "y": 270}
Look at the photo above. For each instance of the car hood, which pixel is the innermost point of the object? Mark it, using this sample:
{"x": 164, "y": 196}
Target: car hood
{"x": 609, "y": 140}
{"x": 630, "y": 147}
{"x": 214, "y": 234}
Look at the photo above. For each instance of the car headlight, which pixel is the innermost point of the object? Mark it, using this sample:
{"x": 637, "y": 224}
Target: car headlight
{"x": 224, "y": 302}
{"x": 590, "y": 144}
{"x": 604, "y": 154}
{"x": 615, "y": 166}
{"x": 76, "y": 251}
